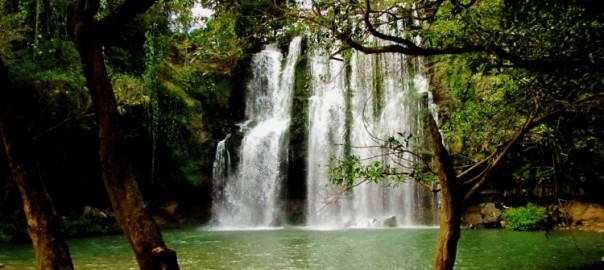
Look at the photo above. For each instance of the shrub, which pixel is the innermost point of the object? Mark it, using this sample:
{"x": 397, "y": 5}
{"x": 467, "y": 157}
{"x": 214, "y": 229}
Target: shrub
{"x": 4, "y": 237}
{"x": 88, "y": 226}
{"x": 7, "y": 230}
{"x": 525, "y": 218}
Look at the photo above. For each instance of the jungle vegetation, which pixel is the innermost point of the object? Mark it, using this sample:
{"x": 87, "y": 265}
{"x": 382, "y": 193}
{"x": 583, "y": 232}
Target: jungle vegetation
{"x": 130, "y": 97}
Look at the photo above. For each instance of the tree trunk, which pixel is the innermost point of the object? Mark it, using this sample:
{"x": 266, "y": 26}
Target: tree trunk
{"x": 451, "y": 201}
{"x": 44, "y": 225}
{"x": 140, "y": 229}
{"x": 450, "y": 221}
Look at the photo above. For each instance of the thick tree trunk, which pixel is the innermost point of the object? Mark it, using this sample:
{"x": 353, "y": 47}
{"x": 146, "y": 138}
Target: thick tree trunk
{"x": 451, "y": 201}
{"x": 139, "y": 227}
{"x": 450, "y": 221}
{"x": 44, "y": 225}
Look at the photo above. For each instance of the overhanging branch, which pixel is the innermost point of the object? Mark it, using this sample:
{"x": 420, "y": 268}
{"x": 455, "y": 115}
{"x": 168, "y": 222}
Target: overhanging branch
{"x": 401, "y": 41}
{"x": 125, "y": 12}
{"x": 497, "y": 157}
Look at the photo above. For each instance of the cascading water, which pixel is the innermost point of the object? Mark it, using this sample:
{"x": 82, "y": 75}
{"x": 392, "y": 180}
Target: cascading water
{"x": 355, "y": 104}
{"x": 327, "y": 137}
{"x": 381, "y": 103}
{"x": 221, "y": 166}
{"x": 249, "y": 196}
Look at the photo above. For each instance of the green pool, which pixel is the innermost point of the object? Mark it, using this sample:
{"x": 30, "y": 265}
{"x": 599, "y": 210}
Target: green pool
{"x": 298, "y": 248}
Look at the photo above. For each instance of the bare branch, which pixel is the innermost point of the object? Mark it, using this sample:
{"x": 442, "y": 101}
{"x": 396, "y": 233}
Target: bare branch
{"x": 65, "y": 121}
{"x": 334, "y": 198}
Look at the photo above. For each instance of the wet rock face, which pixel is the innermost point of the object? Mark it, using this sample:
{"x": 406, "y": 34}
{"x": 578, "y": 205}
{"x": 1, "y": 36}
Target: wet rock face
{"x": 93, "y": 212}
{"x": 584, "y": 216}
{"x": 472, "y": 217}
{"x": 491, "y": 215}
{"x": 485, "y": 215}
{"x": 390, "y": 222}
{"x": 562, "y": 215}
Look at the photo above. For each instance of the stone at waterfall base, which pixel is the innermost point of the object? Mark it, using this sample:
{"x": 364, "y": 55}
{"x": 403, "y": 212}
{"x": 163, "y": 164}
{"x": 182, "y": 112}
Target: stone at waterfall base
{"x": 390, "y": 222}
{"x": 573, "y": 215}
{"x": 583, "y": 216}
{"x": 485, "y": 215}
{"x": 387, "y": 222}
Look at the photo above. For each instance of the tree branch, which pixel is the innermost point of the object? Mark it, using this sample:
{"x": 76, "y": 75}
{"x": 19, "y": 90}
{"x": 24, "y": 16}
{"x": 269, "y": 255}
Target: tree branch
{"x": 335, "y": 197}
{"x": 460, "y": 4}
{"x": 65, "y": 121}
{"x": 408, "y": 51}
{"x": 404, "y": 42}
{"x": 124, "y": 13}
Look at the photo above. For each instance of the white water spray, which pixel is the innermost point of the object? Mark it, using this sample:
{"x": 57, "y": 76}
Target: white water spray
{"x": 249, "y": 197}
{"x": 383, "y": 102}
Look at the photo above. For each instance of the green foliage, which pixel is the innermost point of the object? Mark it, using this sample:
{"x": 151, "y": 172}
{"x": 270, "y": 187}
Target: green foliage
{"x": 6, "y": 231}
{"x": 256, "y": 22}
{"x": 182, "y": 94}
{"x": 525, "y": 218}
{"x": 174, "y": 16}
{"x": 216, "y": 46}
{"x": 129, "y": 92}
{"x": 352, "y": 170}
{"x": 11, "y": 30}
{"x": 472, "y": 97}
{"x": 87, "y": 226}
{"x": 4, "y": 237}
{"x": 60, "y": 96}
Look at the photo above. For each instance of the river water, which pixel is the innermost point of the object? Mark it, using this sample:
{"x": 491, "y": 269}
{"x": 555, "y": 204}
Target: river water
{"x": 299, "y": 248}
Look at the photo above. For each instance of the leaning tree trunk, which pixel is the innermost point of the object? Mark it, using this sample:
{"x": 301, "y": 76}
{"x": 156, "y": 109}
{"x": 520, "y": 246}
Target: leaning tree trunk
{"x": 139, "y": 227}
{"x": 451, "y": 201}
{"x": 44, "y": 225}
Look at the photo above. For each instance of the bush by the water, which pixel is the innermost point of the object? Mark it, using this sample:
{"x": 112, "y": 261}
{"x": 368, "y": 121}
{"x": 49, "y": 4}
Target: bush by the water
{"x": 525, "y": 218}
{"x": 8, "y": 228}
{"x": 88, "y": 226}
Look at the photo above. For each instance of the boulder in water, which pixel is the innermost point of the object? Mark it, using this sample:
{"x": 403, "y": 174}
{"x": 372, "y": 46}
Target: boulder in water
{"x": 491, "y": 215}
{"x": 374, "y": 222}
{"x": 390, "y": 222}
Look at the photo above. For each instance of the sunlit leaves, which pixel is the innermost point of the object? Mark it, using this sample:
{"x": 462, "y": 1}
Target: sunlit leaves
{"x": 217, "y": 45}
{"x": 11, "y": 30}
{"x": 352, "y": 170}
{"x": 129, "y": 91}
{"x": 483, "y": 107}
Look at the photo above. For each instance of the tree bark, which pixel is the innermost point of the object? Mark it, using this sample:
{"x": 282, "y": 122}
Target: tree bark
{"x": 451, "y": 201}
{"x": 44, "y": 225}
{"x": 140, "y": 229}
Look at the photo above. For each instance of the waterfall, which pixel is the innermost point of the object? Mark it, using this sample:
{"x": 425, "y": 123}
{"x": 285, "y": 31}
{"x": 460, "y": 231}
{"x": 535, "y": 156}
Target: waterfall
{"x": 354, "y": 105}
{"x": 327, "y": 124}
{"x": 250, "y": 196}
{"x": 221, "y": 166}
{"x": 382, "y": 101}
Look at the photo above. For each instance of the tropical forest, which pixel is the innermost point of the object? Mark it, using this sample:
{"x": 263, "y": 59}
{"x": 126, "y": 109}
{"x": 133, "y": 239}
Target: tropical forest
{"x": 301, "y": 134}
